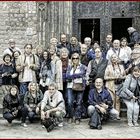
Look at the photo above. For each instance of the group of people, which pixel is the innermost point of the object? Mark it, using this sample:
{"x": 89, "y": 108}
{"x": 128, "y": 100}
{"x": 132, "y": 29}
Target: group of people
{"x": 72, "y": 80}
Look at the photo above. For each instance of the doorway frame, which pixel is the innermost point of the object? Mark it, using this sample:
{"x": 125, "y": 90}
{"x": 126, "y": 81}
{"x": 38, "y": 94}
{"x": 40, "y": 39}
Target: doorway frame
{"x": 79, "y": 26}
{"x": 133, "y": 21}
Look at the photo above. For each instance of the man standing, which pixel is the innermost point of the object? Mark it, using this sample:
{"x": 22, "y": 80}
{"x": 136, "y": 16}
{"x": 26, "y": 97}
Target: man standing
{"x": 27, "y": 65}
{"x": 63, "y": 43}
{"x": 116, "y": 49}
{"x": 108, "y": 44}
{"x": 134, "y": 37}
{"x": 11, "y": 48}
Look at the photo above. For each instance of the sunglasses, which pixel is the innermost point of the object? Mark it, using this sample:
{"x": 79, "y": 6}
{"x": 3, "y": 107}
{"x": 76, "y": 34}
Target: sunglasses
{"x": 75, "y": 58}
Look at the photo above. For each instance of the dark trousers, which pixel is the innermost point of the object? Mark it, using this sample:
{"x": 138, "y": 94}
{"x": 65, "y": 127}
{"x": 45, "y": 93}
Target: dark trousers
{"x": 21, "y": 114}
{"x": 74, "y": 98}
{"x": 31, "y": 114}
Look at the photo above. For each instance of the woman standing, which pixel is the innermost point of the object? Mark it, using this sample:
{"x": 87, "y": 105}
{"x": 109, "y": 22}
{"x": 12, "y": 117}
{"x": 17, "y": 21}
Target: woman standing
{"x": 125, "y": 47}
{"x": 46, "y": 72}
{"x": 131, "y": 95}
{"x": 114, "y": 76}
{"x": 75, "y": 87}
{"x": 128, "y": 52}
{"x": 65, "y": 62}
{"x": 7, "y": 73}
{"x": 16, "y": 55}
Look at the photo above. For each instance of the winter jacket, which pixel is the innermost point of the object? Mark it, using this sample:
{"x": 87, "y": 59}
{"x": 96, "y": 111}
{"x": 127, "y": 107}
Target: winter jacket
{"x": 78, "y": 76}
{"x": 11, "y": 103}
{"x": 129, "y": 87}
{"x": 134, "y": 38}
{"x": 31, "y": 102}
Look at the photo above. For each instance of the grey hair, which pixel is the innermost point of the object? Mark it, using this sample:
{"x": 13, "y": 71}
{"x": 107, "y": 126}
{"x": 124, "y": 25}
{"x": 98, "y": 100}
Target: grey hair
{"x": 63, "y": 49}
{"x": 87, "y": 38}
{"x": 131, "y": 29}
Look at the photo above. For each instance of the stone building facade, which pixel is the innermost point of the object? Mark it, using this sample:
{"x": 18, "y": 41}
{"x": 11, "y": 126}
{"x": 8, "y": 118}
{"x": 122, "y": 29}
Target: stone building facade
{"x": 36, "y": 22}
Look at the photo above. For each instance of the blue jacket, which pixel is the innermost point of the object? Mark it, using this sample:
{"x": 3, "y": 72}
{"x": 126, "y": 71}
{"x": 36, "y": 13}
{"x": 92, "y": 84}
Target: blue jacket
{"x": 95, "y": 98}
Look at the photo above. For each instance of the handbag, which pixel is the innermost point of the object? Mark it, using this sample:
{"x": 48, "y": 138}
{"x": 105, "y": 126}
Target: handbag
{"x": 78, "y": 87}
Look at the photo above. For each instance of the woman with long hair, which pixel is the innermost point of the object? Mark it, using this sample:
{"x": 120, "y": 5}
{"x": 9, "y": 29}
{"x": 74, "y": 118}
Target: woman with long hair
{"x": 75, "y": 76}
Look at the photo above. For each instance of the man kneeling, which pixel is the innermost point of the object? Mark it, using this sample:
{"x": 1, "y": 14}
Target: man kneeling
{"x": 52, "y": 108}
{"x": 100, "y": 105}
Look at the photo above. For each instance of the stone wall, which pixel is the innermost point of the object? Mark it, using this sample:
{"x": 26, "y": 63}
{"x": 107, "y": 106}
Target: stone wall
{"x": 18, "y": 20}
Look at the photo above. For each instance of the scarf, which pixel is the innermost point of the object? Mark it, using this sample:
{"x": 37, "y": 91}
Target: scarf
{"x": 64, "y": 64}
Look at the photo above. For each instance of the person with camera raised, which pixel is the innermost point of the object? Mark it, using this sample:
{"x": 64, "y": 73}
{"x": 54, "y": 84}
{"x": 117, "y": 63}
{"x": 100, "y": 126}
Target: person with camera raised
{"x": 114, "y": 76}
{"x": 53, "y": 105}
{"x": 100, "y": 105}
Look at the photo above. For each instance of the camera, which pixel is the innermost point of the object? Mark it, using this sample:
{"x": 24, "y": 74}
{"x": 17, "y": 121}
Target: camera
{"x": 49, "y": 123}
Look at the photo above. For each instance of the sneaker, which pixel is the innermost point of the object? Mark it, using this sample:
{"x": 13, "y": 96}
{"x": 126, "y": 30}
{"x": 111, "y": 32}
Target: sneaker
{"x": 24, "y": 124}
{"x": 60, "y": 124}
{"x": 43, "y": 126}
{"x": 99, "y": 127}
{"x": 118, "y": 118}
{"x": 130, "y": 124}
{"x": 136, "y": 124}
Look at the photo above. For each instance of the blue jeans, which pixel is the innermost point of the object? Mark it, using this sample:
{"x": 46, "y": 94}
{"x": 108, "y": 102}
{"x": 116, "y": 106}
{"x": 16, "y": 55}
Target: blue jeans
{"x": 74, "y": 98}
{"x": 31, "y": 114}
{"x": 23, "y": 89}
{"x": 21, "y": 114}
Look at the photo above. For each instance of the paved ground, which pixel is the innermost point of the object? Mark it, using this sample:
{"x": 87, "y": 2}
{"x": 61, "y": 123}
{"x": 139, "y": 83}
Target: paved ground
{"x": 117, "y": 129}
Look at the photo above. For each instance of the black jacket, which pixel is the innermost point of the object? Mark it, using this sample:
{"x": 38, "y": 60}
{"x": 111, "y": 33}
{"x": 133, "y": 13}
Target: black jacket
{"x": 134, "y": 38}
{"x": 98, "y": 70}
{"x": 11, "y": 103}
{"x": 9, "y": 69}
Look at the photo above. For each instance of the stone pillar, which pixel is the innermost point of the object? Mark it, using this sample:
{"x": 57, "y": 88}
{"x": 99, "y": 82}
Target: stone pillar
{"x": 59, "y": 20}
{"x": 105, "y": 22}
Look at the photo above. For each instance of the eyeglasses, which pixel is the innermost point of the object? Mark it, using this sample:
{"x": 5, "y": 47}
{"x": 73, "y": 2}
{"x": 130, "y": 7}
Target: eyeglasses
{"x": 75, "y": 58}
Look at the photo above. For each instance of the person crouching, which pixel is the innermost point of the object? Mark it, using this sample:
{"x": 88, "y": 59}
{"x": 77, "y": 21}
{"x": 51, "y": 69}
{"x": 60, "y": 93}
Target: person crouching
{"x": 100, "y": 105}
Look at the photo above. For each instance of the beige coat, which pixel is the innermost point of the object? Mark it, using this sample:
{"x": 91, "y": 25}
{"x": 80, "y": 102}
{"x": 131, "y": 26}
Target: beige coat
{"x": 57, "y": 63}
{"x": 110, "y": 84}
{"x": 109, "y": 74}
{"x": 20, "y": 67}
